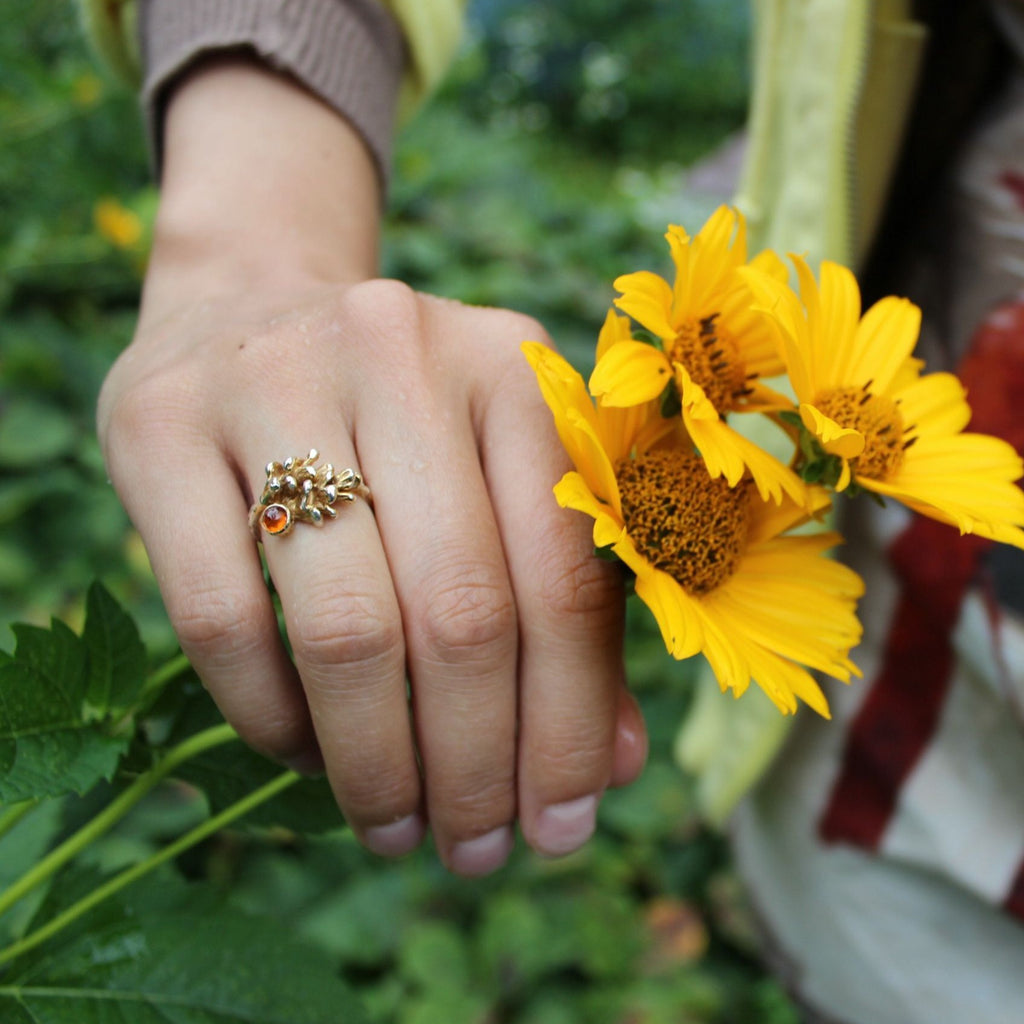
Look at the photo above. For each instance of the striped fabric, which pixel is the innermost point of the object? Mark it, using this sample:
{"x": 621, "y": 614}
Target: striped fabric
{"x": 884, "y": 851}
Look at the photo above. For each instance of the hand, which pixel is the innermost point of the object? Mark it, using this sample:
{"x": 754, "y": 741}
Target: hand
{"x": 262, "y": 334}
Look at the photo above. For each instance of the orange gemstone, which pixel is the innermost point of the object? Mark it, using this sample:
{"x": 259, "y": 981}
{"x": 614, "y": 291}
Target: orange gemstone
{"x": 275, "y": 519}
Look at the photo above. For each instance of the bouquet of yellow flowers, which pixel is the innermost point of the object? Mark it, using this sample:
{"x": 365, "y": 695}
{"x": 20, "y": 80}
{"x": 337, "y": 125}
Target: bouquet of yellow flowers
{"x": 705, "y": 517}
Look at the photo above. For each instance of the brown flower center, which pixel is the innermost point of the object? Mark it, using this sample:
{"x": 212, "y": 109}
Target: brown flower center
{"x": 711, "y": 357}
{"x": 681, "y": 520}
{"x": 878, "y": 419}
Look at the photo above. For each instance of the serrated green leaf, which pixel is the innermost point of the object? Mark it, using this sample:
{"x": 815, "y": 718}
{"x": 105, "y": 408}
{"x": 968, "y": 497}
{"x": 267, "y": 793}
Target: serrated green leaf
{"x": 191, "y": 963}
{"x": 117, "y": 659}
{"x": 46, "y": 746}
{"x": 228, "y": 773}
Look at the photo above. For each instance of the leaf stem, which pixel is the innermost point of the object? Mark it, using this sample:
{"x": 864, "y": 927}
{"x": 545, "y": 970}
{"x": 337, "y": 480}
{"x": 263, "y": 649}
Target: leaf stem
{"x": 13, "y": 814}
{"x": 129, "y": 875}
{"x": 113, "y": 812}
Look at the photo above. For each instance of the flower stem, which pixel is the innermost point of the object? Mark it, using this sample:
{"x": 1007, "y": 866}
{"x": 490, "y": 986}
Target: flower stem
{"x": 13, "y": 814}
{"x": 113, "y": 812}
{"x": 129, "y": 875}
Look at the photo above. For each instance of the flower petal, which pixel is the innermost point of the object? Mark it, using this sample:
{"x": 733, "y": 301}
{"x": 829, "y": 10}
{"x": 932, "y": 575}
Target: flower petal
{"x": 588, "y": 453}
{"x": 677, "y": 614}
{"x": 630, "y": 373}
{"x": 647, "y": 298}
{"x": 832, "y": 318}
{"x": 836, "y": 440}
{"x": 776, "y": 301}
{"x": 614, "y": 329}
{"x": 967, "y": 480}
{"x": 884, "y": 340}
{"x": 768, "y": 519}
{"x": 728, "y": 453}
{"x": 935, "y": 405}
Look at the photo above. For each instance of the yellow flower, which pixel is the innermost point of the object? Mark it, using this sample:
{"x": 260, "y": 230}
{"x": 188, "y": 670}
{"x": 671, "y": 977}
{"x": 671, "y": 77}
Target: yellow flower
{"x": 878, "y": 422}
{"x": 713, "y": 350}
{"x": 117, "y": 224}
{"x": 710, "y": 560}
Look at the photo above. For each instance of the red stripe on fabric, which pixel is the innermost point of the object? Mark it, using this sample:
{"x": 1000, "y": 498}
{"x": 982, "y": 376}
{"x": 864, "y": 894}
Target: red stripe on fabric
{"x": 901, "y": 712}
{"x": 1014, "y": 902}
{"x": 1014, "y": 183}
{"x": 934, "y": 566}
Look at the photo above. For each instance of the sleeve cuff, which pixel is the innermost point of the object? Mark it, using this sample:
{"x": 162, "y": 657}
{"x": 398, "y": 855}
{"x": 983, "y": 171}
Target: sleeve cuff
{"x": 350, "y": 53}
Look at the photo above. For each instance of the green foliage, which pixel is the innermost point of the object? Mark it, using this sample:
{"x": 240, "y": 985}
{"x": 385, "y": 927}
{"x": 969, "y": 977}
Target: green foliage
{"x": 627, "y": 78}
{"x": 62, "y": 703}
{"x": 511, "y": 189}
{"x": 174, "y": 953}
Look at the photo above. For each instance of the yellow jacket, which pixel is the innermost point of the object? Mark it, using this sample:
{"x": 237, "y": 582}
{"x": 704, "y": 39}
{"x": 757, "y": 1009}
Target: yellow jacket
{"x": 832, "y": 87}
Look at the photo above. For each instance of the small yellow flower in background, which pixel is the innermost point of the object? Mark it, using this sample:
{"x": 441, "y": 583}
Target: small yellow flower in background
{"x": 872, "y": 420}
{"x": 711, "y": 561}
{"x": 86, "y": 90}
{"x": 117, "y": 224}
{"x": 714, "y": 350}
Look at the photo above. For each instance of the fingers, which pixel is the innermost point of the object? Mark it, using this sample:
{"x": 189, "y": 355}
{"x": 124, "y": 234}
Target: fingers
{"x": 470, "y": 582}
{"x": 458, "y": 610}
{"x": 345, "y": 629}
{"x": 570, "y": 607}
{"x": 191, "y": 514}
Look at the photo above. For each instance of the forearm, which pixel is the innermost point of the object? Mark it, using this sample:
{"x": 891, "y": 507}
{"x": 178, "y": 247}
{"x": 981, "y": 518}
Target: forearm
{"x": 262, "y": 185}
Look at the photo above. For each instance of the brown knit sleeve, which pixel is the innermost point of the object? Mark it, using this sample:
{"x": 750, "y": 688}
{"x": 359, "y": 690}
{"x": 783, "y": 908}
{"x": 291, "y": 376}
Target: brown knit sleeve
{"x": 348, "y": 52}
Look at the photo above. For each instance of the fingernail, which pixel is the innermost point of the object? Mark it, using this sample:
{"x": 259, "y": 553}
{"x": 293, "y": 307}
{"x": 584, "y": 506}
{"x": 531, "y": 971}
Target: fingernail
{"x": 562, "y": 828}
{"x": 482, "y": 855}
{"x": 395, "y": 839}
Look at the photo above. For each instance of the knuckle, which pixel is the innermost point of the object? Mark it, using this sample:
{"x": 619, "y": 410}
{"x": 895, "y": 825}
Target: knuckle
{"x": 372, "y": 792}
{"x": 391, "y": 306}
{"x": 474, "y": 810}
{"x": 275, "y": 732}
{"x": 469, "y": 614}
{"x": 575, "y": 760}
{"x": 147, "y": 418}
{"x": 574, "y": 584}
{"x": 213, "y": 620}
{"x": 135, "y": 411}
{"x": 350, "y": 629}
{"x": 526, "y": 328}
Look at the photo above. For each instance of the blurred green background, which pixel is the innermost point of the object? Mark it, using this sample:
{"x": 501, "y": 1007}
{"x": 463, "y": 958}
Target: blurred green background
{"x": 549, "y": 164}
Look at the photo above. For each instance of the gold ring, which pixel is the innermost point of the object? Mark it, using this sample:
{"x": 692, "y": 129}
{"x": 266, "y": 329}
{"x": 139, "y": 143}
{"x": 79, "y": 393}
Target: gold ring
{"x": 297, "y": 491}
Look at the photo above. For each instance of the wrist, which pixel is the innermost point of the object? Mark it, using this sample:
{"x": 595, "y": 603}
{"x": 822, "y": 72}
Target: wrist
{"x": 261, "y": 182}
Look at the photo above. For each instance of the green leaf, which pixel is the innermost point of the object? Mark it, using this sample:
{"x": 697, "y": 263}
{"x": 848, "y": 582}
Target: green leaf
{"x": 435, "y": 956}
{"x": 178, "y": 957}
{"x": 20, "y": 850}
{"x": 117, "y": 659}
{"x": 32, "y": 432}
{"x": 228, "y": 773}
{"x": 46, "y": 746}
{"x": 655, "y": 807}
{"x": 671, "y": 404}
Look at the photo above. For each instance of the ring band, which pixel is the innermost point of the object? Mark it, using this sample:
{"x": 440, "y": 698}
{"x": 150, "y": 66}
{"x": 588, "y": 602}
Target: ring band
{"x": 297, "y": 491}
